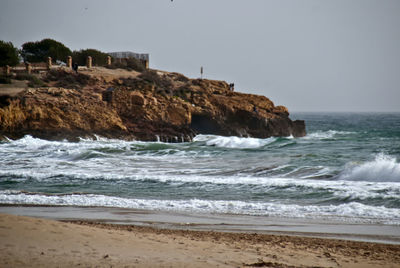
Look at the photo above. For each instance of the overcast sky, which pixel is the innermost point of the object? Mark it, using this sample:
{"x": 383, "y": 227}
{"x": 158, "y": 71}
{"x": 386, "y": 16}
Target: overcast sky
{"x": 309, "y": 55}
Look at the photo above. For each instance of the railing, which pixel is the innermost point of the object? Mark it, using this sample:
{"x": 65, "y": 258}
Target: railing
{"x": 46, "y": 66}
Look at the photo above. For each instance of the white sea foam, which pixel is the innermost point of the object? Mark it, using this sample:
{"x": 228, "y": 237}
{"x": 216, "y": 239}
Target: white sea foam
{"x": 321, "y": 135}
{"x": 340, "y": 189}
{"x": 352, "y": 212}
{"x": 234, "y": 142}
{"x": 116, "y": 163}
{"x": 32, "y": 144}
{"x": 74, "y": 150}
{"x": 382, "y": 169}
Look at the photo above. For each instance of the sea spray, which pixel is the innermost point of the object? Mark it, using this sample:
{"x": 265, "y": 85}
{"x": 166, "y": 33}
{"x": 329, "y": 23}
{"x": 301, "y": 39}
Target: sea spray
{"x": 341, "y": 170}
{"x": 234, "y": 142}
{"x": 382, "y": 169}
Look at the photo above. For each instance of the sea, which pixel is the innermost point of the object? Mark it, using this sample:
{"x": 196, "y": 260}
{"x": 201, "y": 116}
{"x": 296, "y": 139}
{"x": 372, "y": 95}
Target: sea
{"x": 345, "y": 169}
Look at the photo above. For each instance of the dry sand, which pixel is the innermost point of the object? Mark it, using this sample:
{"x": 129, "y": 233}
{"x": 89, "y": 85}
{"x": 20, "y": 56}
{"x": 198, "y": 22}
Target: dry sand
{"x": 32, "y": 242}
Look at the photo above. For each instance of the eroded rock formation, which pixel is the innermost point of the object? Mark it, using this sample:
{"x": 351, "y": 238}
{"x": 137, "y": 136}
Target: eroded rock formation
{"x": 148, "y": 106}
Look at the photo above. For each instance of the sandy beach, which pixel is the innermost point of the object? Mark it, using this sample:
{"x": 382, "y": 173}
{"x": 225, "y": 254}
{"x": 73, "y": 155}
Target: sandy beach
{"x": 35, "y": 242}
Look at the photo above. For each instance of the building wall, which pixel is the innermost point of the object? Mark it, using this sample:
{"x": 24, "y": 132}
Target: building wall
{"x": 128, "y": 54}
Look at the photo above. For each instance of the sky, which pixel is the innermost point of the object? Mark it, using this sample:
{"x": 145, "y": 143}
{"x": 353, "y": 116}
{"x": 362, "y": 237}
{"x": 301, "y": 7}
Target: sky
{"x": 308, "y": 55}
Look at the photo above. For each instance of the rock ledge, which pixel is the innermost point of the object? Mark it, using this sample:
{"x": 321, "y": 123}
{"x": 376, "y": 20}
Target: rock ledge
{"x": 150, "y": 106}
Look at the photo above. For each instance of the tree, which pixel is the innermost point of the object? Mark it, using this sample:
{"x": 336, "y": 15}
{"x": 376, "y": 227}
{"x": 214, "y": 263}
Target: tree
{"x": 8, "y": 54}
{"x": 98, "y": 58}
{"x": 128, "y": 64}
{"x": 39, "y": 51}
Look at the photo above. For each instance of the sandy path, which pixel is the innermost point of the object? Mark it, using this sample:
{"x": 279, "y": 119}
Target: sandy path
{"x": 31, "y": 242}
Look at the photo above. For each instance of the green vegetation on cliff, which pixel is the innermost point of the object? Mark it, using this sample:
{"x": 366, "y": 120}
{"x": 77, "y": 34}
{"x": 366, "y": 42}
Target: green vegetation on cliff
{"x": 98, "y": 58}
{"x": 8, "y": 54}
{"x": 130, "y": 64}
{"x": 39, "y": 51}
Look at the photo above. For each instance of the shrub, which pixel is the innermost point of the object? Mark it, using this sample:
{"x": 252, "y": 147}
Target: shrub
{"x": 128, "y": 64}
{"x": 150, "y": 76}
{"x": 181, "y": 77}
{"x": 8, "y": 54}
{"x": 161, "y": 82}
{"x": 24, "y": 76}
{"x": 130, "y": 82}
{"x": 184, "y": 92}
{"x": 197, "y": 82}
{"x": 67, "y": 79}
{"x": 33, "y": 80}
{"x": 39, "y": 51}
{"x": 5, "y": 79}
{"x": 36, "y": 82}
{"x": 98, "y": 58}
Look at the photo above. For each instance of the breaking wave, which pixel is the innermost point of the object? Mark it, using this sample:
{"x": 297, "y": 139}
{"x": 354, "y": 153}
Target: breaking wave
{"x": 321, "y": 135}
{"x": 234, "y": 142}
{"x": 332, "y": 172}
{"x": 382, "y": 169}
{"x": 351, "y": 212}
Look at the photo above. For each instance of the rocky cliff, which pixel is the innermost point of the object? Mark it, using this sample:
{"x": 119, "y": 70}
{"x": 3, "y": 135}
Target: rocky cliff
{"x": 145, "y": 106}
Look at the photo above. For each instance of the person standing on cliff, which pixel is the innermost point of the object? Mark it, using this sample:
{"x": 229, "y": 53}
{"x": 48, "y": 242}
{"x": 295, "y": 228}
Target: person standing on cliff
{"x": 75, "y": 67}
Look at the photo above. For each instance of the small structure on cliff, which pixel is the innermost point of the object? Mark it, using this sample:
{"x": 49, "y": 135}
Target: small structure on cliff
{"x": 143, "y": 57}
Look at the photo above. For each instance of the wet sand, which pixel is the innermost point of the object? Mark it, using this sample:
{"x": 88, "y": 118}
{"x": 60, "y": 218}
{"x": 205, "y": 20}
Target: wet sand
{"x": 327, "y": 228}
{"x": 38, "y": 242}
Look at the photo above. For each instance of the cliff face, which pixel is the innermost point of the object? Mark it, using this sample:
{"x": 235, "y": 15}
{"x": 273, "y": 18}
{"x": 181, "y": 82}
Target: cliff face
{"x": 149, "y": 106}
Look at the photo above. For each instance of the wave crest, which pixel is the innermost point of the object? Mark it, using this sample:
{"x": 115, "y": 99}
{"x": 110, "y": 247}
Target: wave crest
{"x": 351, "y": 212}
{"x": 234, "y": 142}
{"x": 382, "y": 169}
{"x": 330, "y": 134}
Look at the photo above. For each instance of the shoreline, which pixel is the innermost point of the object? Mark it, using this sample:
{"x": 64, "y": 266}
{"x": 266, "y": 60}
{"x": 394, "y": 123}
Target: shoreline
{"x": 227, "y": 223}
{"x": 38, "y": 242}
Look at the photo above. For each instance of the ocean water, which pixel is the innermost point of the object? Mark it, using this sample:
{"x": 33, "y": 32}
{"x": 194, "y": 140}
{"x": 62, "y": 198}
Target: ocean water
{"x": 346, "y": 169}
